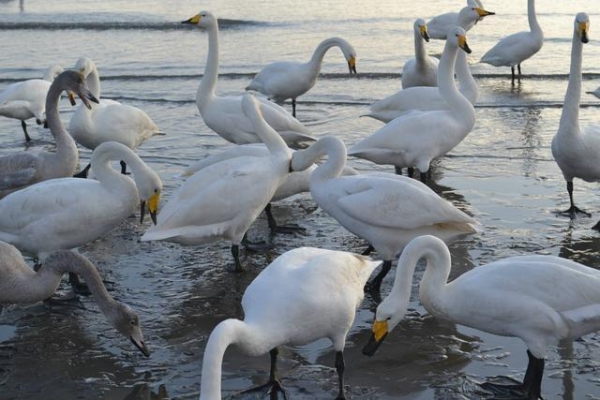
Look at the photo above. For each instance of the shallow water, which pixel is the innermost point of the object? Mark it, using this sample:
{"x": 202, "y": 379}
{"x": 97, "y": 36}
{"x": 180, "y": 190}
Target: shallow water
{"x": 503, "y": 173}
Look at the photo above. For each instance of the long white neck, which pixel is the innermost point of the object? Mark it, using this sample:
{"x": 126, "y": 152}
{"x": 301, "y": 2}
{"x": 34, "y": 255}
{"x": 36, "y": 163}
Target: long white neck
{"x": 420, "y": 52}
{"x": 268, "y": 135}
{"x": 93, "y": 82}
{"x": 468, "y": 86}
{"x": 226, "y": 333}
{"x": 331, "y": 146}
{"x": 534, "y": 26}
{"x": 109, "y": 176}
{"x": 569, "y": 119}
{"x": 67, "y": 155}
{"x": 317, "y": 58}
{"x": 447, "y": 86}
{"x": 206, "y": 90}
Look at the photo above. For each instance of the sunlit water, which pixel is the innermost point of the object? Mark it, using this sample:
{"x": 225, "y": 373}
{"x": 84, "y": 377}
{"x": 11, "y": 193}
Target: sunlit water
{"x": 503, "y": 173}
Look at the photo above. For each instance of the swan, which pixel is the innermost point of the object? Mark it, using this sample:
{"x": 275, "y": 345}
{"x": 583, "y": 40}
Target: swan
{"x": 27, "y": 99}
{"x": 25, "y": 168}
{"x": 518, "y": 47}
{"x": 19, "y": 284}
{"x": 224, "y": 114}
{"x": 438, "y": 27}
{"x": 62, "y": 214}
{"x": 109, "y": 120}
{"x": 421, "y": 70}
{"x": 283, "y": 80}
{"x": 279, "y": 308}
{"x": 385, "y": 209}
{"x": 595, "y": 92}
{"x": 539, "y": 299}
{"x": 424, "y": 98}
{"x": 223, "y": 200}
{"x": 571, "y": 148}
{"x": 296, "y": 182}
{"x": 415, "y": 139}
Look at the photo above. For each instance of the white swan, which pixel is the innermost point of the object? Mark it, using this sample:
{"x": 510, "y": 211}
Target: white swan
{"x": 27, "y": 99}
{"x": 224, "y": 115}
{"x": 25, "y": 168}
{"x": 571, "y": 148}
{"x": 518, "y": 47}
{"x": 539, "y": 299}
{"x": 385, "y": 209}
{"x": 223, "y": 200}
{"x": 19, "y": 284}
{"x": 60, "y": 214}
{"x": 424, "y": 98}
{"x": 109, "y": 120}
{"x": 296, "y": 182}
{"x": 303, "y": 295}
{"x": 284, "y": 80}
{"x": 438, "y": 27}
{"x": 415, "y": 139}
{"x": 421, "y": 70}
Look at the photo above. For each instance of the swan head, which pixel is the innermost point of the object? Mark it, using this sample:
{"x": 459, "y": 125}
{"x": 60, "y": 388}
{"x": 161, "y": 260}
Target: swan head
{"x": 471, "y": 14}
{"x": 458, "y": 37}
{"x": 348, "y": 51}
{"x": 203, "y": 19}
{"x": 582, "y": 26}
{"x": 127, "y": 322}
{"x": 84, "y": 66}
{"x": 149, "y": 187}
{"x": 388, "y": 316}
{"x": 421, "y": 29}
{"x": 74, "y": 83}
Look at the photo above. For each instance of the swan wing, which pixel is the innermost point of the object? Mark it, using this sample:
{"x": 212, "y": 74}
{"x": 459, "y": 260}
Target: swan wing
{"x": 405, "y": 101}
{"x": 17, "y": 170}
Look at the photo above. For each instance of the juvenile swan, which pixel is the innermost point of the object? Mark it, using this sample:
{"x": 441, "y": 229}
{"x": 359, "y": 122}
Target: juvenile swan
{"x": 223, "y": 114}
{"x": 19, "y": 284}
{"x": 284, "y": 80}
{"x": 572, "y": 149}
{"x": 539, "y": 299}
{"x": 25, "y": 168}
{"x": 304, "y": 295}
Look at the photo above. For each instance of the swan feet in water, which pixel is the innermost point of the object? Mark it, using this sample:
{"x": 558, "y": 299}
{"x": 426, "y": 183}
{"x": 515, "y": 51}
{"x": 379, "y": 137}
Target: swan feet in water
{"x": 274, "y": 386}
{"x": 573, "y": 211}
{"x": 531, "y": 387}
{"x": 275, "y": 228}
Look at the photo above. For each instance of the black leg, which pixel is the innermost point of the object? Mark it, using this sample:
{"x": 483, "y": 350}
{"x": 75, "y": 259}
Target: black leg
{"x": 83, "y": 173}
{"x": 573, "y": 210}
{"x": 410, "y": 172}
{"x": 512, "y": 70}
{"x": 294, "y": 107}
{"x": 424, "y": 177}
{"x": 340, "y": 366}
{"x": 375, "y": 284}
{"x": 519, "y": 67}
{"x": 532, "y": 382}
{"x": 274, "y": 385}
{"x": 24, "y": 126}
{"x": 123, "y": 167}
{"x": 368, "y": 250}
{"x": 78, "y": 287}
{"x": 235, "y": 251}
{"x": 398, "y": 170}
{"x": 274, "y": 228}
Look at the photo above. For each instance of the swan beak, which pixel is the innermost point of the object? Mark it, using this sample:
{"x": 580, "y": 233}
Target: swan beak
{"x": 483, "y": 13}
{"x": 378, "y": 334}
{"x": 193, "y": 21}
{"x": 584, "y": 27}
{"x": 139, "y": 343}
{"x": 152, "y": 208}
{"x": 86, "y": 97}
{"x": 462, "y": 43}
{"x": 352, "y": 65}
{"x": 423, "y": 32}
{"x": 71, "y": 96}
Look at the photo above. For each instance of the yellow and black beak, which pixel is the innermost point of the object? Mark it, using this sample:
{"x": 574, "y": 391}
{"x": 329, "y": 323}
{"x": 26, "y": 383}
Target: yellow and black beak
{"x": 352, "y": 65}
{"x": 193, "y": 21}
{"x": 423, "y": 32}
{"x": 152, "y": 208}
{"x": 462, "y": 43}
{"x": 71, "y": 95}
{"x": 378, "y": 334}
{"x": 583, "y": 29}
{"x": 483, "y": 13}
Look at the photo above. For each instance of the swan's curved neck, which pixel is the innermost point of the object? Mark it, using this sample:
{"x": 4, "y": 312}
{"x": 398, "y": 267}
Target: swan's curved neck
{"x": 70, "y": 261}
{"x": 317, "y": 58}
{"x": 331, "y": 146}
{"x": 211, "y": 70}
{"x": 420, "y": 52}
{"x": 227, "y": 332}
{"x": 468, "y": 86}
{"x": 65, "y": 144}
{"x": 534, "y": 26}
{"x": 569, "y": 119}
{"x": 447, "y": 86}
{"x": 93, "y": 82}
{"x": 105, "y": 173}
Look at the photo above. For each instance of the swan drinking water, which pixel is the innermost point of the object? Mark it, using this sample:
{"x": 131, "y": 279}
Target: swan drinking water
{"x": 19, "y": 284}
{"x": 23, "y": 169}
{"x": 224, "y": 114}
{"x": 283, "y": 80}
{"x": 539, "y": 299}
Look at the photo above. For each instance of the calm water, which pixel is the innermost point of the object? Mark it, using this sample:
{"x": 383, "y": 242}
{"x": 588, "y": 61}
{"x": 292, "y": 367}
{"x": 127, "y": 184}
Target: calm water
{"x": 502, "y": 173}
